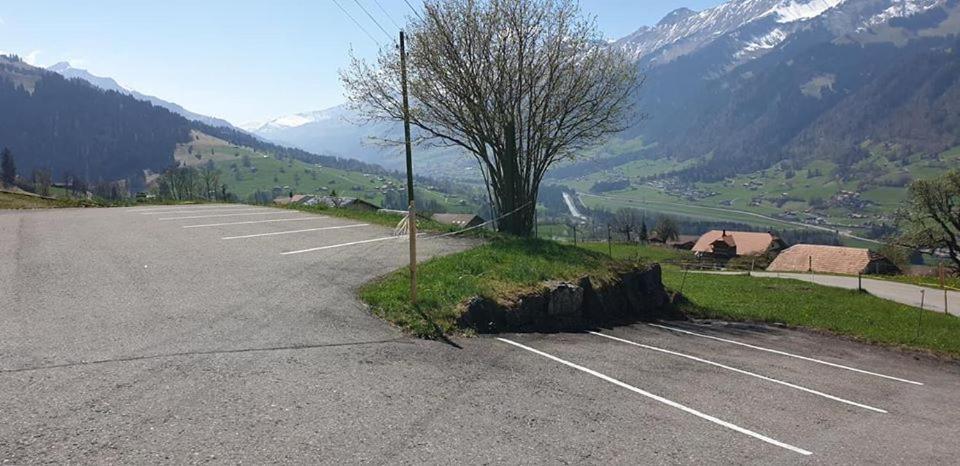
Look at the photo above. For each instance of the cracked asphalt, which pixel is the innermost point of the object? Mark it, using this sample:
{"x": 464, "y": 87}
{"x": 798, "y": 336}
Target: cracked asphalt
{"x": 140, "y": 336}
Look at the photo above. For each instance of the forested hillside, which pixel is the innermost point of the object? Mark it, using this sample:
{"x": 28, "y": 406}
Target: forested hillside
{"x": 75, "y": 129}
{"x": 71, "y": 127}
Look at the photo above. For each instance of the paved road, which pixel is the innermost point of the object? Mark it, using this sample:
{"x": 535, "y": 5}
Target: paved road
{"x": 143, "y": 336}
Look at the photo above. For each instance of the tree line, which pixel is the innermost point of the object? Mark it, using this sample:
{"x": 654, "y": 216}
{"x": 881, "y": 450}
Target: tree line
{"x": 193, "y": 183}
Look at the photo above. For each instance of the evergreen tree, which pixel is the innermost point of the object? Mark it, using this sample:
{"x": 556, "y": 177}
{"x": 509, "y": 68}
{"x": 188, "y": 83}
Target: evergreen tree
{"x": 8, "y": 169}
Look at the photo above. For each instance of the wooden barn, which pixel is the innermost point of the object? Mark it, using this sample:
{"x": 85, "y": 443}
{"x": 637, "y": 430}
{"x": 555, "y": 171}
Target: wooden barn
{"x": 831, "y": 259}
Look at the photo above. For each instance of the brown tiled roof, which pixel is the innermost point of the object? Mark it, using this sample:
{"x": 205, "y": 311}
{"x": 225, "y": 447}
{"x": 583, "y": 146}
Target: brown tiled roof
{"x": 824, "y": 259}
{"x": 748, "y": 243}
{"x": 297, "y": 198}
{"x": 460, "y": 220}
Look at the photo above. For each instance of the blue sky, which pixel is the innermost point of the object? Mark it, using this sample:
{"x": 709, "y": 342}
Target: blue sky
{"x": 237, "y": 59}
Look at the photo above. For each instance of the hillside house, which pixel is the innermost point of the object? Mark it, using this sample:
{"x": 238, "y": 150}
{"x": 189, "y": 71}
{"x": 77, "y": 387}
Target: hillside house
{"x": 683, "y": 242}
{"x": 831, "y": 259}
{"x": 459, "y": 220}
{"x": 347, "y": 203}
{"x": 723, "y": 244}
{"x": 304, "y": 199}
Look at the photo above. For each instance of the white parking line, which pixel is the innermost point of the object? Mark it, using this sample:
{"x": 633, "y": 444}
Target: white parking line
{"x": 741, "y": 371}
{"x": 275, "y": 233}
{"x": 226, "y": 215}
{"x": 188, "y": 209}
{"x": 202, "y": 211}
{"x": 298, "y": 219}
{"x": 662, "y": 400}
{"x": 784, "y": 353}
{"x": 333, "y": 246}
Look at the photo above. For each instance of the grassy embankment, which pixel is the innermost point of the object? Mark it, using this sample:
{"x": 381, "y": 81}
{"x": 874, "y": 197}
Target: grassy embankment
{"x": 504, "y": 267}
{"x": 800, "y": 304}
{"x": 499, "y": 269}
{"x": 11, "y": 200}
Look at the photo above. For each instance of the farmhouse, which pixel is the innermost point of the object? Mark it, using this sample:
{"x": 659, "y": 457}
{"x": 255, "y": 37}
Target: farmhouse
{"x": 684, "y": 242}
{"x": 347, "y": 203}
{"x": 831, "y": 259}
{"x": 723, "y": 244}
{"x": 459, "y": 220}
{"x": 295, "y": 199}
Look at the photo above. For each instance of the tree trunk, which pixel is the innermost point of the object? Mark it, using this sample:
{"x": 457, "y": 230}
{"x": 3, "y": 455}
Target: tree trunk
{"x": 516, "y": 204}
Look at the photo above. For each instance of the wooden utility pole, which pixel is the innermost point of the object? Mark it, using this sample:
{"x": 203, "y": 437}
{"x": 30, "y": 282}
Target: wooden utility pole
{"x": 411, "y": 212}
{"x": 943, "y": 285}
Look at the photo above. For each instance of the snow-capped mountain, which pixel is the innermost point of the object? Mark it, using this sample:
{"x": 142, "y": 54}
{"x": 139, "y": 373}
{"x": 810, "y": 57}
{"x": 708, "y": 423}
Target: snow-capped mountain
{"x": 109, "y": 84}
{"x": 335, "y": 131}
{"x": 295, "y": 121}
{"x": 755, "y": 26}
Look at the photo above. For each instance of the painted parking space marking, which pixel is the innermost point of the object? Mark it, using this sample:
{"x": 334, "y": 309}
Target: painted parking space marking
{"x": 341, "y": 245}
{"x": 226, "y": 215}
{"x": 663, "y": 400}
{"x": 203, "y": 211}
{"x": 741, "y": 371}
{"x": 784, "y": 353}
{"x": 197, "y": 208}
{"x": 277, "y": 233}
{"x": 253, "y": 222}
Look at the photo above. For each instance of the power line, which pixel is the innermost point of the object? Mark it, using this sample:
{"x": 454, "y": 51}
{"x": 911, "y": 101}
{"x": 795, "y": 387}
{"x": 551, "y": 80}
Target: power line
{"x": 388, "y": 14}
{"x": 413, "y": 9}
{"x": 373, "y": 19}
{"x": 344, "y": 10}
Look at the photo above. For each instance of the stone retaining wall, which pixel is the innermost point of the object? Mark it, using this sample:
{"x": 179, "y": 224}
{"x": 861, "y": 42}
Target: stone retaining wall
{"x": 633, "y": 296}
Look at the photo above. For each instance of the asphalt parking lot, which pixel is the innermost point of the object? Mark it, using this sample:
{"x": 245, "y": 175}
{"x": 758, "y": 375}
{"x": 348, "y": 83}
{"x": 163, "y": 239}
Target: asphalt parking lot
{"x": 232, "y": 333}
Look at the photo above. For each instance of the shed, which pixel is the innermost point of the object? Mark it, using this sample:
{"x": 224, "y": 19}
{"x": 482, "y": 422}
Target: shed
{"x": 459, "y": 220}
{"x": 831, "y": 259}
{"x": 685, "y": 242}
{"x": 295, "y": 199}
{"x": 348, "y": 203}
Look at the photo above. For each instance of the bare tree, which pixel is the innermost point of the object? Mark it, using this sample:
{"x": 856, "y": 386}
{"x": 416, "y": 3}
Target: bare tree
{"x": 667, "y": 229}
{"x": 517, "y": 84}
{"x": 626, "y": 222}
{"x": 42, "y": 179}
{"x": 8, "y": 168}
{"x": 932, "y": 218}
{"x": 210, "y": 177}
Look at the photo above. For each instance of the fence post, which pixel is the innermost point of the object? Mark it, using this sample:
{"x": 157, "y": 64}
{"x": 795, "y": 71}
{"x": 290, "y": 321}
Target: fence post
{"x": 943, "y": 285}
{"x": 684, "y": 280}
{"x": 609, "y": 242}
{"x": 920, "y": 314}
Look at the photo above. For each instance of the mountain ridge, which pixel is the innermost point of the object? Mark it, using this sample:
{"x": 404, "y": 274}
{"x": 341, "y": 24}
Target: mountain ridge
{"x": 66, "y": 70}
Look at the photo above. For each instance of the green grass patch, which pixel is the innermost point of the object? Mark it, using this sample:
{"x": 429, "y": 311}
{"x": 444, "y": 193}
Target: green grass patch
{"x": 952, "y": 283}
{"x": 9, "y": 200}
{"x": 799, "y": 304}
{"x": 266, "y": 172}
{"x": 640, "y": 253}
{"x": 499, "y": 269}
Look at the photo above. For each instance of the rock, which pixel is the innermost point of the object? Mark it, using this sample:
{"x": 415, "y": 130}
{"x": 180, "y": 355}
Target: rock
{"x": 635, "y": 295}
{"x": 564, "y": 300}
